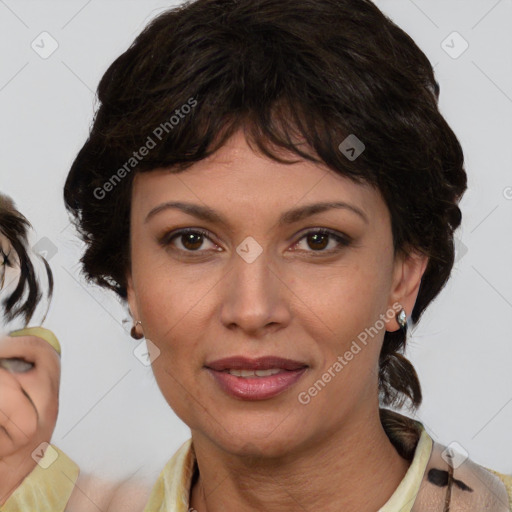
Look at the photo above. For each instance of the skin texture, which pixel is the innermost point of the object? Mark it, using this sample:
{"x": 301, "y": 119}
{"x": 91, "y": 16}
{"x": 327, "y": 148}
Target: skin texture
{"x": 29, "y": 403}
{"x": 274, "y": 453}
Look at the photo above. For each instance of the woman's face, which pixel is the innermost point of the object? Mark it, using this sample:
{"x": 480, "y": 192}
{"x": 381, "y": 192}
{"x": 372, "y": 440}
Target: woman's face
{"x": 256, "y": 285}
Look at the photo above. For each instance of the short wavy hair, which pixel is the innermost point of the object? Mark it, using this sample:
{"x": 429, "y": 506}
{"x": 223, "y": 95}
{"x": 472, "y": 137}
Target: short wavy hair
{"x": 27, "y": 293}
{"x": 298, "y": 75}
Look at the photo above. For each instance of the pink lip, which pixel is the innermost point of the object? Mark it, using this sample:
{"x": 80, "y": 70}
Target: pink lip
{"x": 256, "y": 388}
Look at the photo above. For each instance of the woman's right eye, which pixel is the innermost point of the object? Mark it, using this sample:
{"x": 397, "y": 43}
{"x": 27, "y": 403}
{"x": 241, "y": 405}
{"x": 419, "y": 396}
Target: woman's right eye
{"x": 16, "y": 365}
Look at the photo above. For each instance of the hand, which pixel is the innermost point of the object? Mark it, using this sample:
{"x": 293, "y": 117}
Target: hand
{"x": 29, "y": 404}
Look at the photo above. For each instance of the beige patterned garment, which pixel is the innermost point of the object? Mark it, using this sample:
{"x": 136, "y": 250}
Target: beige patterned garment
{"x": 430, "y": 484}
{"x": 48, "y": 487}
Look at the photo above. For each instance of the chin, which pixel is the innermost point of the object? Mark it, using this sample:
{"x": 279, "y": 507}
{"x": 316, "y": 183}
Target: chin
{"x": 263, "y": 449}
{"x": 265, "y": 438}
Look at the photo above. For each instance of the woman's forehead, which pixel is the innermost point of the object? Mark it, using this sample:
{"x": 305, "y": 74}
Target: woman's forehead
{"x": 222, "y": 195}
{"x": 236, "y": 171}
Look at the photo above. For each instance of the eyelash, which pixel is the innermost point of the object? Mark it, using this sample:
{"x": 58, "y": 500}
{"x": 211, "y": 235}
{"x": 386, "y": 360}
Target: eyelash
{"x": 343, "y": 241}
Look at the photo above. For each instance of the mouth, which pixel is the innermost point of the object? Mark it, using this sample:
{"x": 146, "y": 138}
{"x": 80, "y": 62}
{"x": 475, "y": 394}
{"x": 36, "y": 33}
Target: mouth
{"x": 255, "y": 379}
{"x": 255, "y": 365}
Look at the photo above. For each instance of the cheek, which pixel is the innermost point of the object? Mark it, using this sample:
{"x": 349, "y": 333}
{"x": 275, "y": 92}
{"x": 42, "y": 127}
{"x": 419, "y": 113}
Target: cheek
{"x": 344, "y": 299}
{"x": 344, "y": 304}
{"x": 173, "y": 318}
{"x": 178, "y": 308}
{"x": 171, "y": 301}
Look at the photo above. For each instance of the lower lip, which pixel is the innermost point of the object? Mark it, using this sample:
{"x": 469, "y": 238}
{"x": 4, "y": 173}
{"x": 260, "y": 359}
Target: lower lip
{"x": 257, "y": 388}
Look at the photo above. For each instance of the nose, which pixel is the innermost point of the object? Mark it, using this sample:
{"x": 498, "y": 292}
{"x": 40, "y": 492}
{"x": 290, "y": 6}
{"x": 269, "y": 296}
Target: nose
{"x": 255, "y": 297}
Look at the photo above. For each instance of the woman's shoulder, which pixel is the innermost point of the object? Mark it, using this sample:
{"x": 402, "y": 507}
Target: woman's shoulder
{"x": 446, "y": 477}
{"x": 507, "y": 482}
{"x": 452, "y": 478}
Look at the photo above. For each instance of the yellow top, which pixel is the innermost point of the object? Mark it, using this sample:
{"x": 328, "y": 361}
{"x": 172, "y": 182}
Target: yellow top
{"x": 422, "y": 488}
{"x": 405, "y": 494}
{"x": 40, "y": 332}
{"x": 48, "y": 487}
{"x": 172, "y": 490}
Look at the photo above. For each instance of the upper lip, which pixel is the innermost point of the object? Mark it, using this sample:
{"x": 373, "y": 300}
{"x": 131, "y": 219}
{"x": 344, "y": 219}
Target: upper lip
{"x": 261, "y": 363}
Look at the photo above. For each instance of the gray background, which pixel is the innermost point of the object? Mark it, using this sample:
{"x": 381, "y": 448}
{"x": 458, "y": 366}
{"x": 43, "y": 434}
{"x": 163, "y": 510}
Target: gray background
{"x": 112, "y": 418}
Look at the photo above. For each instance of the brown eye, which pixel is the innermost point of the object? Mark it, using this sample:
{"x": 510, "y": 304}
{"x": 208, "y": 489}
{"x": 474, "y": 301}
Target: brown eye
{"x": 191, "y": 240}
{"x": 319, "y": 239}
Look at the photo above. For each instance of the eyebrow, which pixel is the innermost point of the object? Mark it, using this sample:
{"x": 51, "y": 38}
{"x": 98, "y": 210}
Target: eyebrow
{"x": 288, "y": 217}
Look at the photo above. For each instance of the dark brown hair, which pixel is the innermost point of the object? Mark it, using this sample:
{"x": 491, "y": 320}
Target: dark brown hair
{"x": 27, "y": 291}
{"x": 299, "y": 75}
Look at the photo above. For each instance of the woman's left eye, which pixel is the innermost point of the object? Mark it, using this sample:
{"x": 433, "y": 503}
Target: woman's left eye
{"x": 318, "y": 239}
{"x": 16, "y": 364}
{"x": 192, "y": 240}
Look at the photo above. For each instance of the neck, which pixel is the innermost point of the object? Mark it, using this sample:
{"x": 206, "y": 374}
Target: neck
{"x": 356, "y": 468}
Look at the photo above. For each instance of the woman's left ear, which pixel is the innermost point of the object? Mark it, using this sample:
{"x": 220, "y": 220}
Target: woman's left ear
{"x": 132, "y": 303}
{"x": 407, "y": 275}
